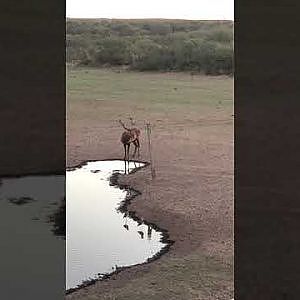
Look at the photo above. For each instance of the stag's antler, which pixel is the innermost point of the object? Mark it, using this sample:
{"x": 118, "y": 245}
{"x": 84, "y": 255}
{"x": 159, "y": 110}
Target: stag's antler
{"x": 123, "y": 125}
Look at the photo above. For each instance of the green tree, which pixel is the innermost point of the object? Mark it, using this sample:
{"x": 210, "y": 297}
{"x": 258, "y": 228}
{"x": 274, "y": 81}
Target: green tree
{"x": 112, "y": 50}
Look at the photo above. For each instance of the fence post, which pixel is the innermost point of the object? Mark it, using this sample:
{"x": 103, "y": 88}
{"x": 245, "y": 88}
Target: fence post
{"x": 148, "y": 128}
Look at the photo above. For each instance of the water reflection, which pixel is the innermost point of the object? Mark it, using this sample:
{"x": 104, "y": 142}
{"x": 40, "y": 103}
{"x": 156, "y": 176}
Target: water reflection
{"x": 101, "y": 237}
{"x": 149, "y": 232}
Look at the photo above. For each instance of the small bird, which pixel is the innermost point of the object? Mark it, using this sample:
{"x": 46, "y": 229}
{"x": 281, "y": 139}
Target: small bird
{"x": 141, "y": 233}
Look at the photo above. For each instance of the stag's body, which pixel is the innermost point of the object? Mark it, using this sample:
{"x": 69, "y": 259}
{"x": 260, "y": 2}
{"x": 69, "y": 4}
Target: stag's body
{"x": 130, "y": 135}
{"x": 126, "y": 139}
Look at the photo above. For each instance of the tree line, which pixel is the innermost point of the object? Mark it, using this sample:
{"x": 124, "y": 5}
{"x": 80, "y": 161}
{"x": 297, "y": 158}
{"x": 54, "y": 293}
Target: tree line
{"x": 152, "y": 45}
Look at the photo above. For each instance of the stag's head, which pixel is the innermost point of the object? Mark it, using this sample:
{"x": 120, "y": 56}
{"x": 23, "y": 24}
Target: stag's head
{"x": 132, "y": 121}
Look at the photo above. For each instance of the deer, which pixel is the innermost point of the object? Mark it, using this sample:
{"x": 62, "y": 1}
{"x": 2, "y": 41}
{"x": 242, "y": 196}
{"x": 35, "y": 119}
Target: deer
{"x": 130, "y": 136}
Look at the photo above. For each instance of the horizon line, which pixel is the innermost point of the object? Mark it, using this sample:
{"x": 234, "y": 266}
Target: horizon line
{"x": 146, "y": 18}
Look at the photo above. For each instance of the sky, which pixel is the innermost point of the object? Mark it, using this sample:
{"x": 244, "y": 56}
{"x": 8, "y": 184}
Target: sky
{"x": 137, "y": 9}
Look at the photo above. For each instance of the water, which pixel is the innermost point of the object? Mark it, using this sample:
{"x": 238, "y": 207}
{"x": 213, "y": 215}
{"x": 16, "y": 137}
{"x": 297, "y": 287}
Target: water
{"x": 37, "y": 270}
{"x": 99, "y": 237}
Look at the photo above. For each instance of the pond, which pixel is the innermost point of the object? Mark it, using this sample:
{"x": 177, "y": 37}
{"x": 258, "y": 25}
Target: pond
{"x": 27, "y": 205}
{"x": 101, "y": 237}
{"x": 83, "y": 211}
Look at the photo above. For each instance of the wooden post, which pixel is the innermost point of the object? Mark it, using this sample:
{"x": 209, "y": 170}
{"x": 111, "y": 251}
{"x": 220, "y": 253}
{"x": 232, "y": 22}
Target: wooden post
{"x": 148, "y": 128}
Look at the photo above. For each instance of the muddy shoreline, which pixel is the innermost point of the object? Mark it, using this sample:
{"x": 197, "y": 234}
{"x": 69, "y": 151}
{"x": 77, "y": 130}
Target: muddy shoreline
{"x": 123, "y": 208}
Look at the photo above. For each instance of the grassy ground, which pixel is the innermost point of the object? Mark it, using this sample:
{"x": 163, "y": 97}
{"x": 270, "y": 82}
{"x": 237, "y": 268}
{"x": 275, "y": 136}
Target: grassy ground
{"x": 154, "y": 91}
{"x": 192, "y": 195}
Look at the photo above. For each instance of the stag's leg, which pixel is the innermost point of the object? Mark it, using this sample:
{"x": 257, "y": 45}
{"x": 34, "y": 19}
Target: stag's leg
{"x": 128, "y": 151}
{"x": 135, "y": 147}
{"x": 125, "y": 167}
{"x": 124, "y": 152}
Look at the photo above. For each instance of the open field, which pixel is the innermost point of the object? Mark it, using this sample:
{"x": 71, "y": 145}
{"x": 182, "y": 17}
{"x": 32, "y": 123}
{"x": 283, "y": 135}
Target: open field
{"x": 192, "y": 196}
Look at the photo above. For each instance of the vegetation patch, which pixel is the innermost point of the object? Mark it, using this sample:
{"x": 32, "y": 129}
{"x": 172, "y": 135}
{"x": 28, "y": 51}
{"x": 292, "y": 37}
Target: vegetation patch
{"x": 152, "y": 45}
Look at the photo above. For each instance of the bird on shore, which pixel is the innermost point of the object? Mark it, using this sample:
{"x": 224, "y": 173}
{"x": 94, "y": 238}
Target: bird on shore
{"x": 141, "y": 233}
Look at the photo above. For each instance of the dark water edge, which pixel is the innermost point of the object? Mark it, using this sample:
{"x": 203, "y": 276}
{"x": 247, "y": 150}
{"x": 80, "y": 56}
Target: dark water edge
{"x": 20, "y": 200}
{"x": 123, "y": 208}
{"x": 58, "y": 219}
